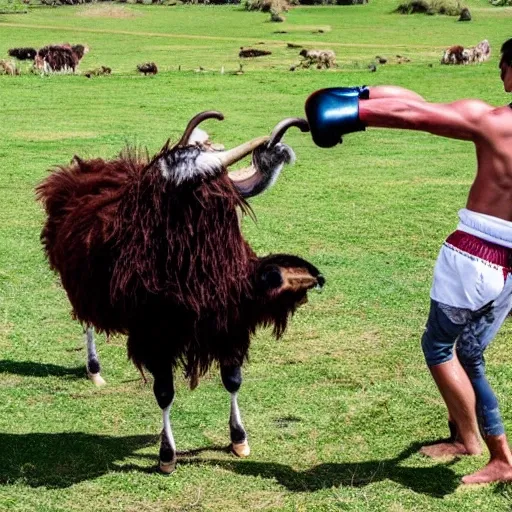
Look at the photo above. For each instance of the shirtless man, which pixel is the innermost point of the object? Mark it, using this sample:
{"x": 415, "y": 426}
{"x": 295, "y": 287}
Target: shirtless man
{"x": 471, "y": 293}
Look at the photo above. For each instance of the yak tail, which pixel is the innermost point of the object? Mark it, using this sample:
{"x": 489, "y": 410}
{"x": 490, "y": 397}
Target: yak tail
{"x": 143, "y": 375}
{"x": 194, "y": 379}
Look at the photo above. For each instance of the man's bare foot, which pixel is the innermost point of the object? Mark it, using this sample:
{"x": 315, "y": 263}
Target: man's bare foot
{"x": 446, "y": 449}
{"x": 496, "y": 471}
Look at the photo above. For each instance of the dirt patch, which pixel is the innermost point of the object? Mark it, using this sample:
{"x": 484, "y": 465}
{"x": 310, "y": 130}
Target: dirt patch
{"x": 107, "y": 11}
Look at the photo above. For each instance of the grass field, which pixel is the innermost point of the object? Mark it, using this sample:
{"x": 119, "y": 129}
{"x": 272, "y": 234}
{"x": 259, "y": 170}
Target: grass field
{"x": 336, "y": 410}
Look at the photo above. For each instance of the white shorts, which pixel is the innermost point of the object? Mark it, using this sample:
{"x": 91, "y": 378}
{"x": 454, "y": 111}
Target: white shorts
{"x": 473, "y": 263}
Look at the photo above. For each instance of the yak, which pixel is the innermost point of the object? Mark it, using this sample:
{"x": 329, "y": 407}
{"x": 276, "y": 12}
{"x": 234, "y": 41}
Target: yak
{"x": 148, "y": 68}
{"x": 152, "y": 248}
{"x": 63, "y": 57}
{"x": 470, "y": 55}
{"x": 23, "y": 53}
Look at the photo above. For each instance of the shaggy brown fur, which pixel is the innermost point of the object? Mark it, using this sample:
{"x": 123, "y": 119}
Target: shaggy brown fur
{"x": 470, "y": 55}
{"x": 59, "y": 57}
{"x": 148, "y": 68}
{"x": 165, "y": 264}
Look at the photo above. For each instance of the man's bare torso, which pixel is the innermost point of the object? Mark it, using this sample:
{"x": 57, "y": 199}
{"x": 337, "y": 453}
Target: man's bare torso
{"x": 491, "y": 192}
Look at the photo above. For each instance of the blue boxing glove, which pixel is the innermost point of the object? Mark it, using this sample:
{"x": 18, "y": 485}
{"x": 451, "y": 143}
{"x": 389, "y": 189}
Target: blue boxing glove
{"x": 334, "y": 112}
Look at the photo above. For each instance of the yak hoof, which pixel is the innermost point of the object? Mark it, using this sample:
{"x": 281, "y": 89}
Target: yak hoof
{"x": 241, "y": 449}
{"x": 97, "y": 379}
{"x": 167, "y": 468}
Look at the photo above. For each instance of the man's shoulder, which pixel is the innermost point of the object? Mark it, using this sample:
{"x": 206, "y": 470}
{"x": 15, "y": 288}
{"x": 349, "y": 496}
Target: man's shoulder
{"x": 498, "y": 121}
{"x": 504, "y": 111}
{"x": 472, "y": 108}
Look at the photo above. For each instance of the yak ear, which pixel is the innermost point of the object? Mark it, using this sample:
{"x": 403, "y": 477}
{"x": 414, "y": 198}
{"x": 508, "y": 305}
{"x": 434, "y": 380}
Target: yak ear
{"x": 77, "y": 160}
{"x": 199, "y": 136}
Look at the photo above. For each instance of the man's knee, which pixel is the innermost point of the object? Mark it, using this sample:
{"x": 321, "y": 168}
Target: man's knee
{"x": 444, "y": 326}
{"x": 471, "y": 356}
{"x": 435, "y": 352}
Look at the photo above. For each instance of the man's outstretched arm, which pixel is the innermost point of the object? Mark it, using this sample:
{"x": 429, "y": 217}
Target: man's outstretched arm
{"x": 458, "y": 120}
{"x": 335, "y": 112}
{"x": 393, "y": 91}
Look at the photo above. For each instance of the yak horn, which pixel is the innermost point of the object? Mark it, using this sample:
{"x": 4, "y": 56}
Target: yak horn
{"x": 231, "y": 156}
{"x": 196, "y": 121}
{"x": 259, "y": 176}
{"x": 281, "y": 128}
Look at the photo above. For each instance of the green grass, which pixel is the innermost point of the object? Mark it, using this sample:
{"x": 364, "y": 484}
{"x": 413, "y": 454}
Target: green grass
{"x": 337, "y": 409}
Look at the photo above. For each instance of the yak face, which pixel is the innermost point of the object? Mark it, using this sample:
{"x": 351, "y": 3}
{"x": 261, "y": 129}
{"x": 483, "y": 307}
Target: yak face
{"x": 189, "y": 163}
{"x": 280, "y": 273}
{"x": 194, "y": 158}
{"x": 282, "y": 282}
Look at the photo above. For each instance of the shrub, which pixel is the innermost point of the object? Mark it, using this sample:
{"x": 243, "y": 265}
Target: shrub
{"x": 447, "y": 7}
{"x": 272, "y": 6}
{"x": 13, "y": 7}
{"x": 500, "y": 3}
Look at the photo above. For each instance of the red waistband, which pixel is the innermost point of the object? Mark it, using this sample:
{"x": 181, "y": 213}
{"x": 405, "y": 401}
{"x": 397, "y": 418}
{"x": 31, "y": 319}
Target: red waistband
{"x": 487, "y": 251}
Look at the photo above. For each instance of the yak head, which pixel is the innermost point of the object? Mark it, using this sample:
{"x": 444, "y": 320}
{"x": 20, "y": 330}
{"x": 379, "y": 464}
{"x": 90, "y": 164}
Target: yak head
{"x": 195, "y": 158}
{"x": 281, "y": 284}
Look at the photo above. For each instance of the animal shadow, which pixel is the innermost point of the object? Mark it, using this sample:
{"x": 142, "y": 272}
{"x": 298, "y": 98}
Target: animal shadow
{"x": 436, "y": 481}
{"x": 64, "y": 459}
{"x": 30, "y": 369}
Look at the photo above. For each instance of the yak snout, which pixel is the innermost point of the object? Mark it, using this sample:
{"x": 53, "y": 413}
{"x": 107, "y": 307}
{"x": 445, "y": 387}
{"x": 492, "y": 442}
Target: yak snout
{"x": 281, "y": 273}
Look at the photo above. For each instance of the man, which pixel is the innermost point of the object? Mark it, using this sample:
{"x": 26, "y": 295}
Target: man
{"x": 471, "y": 293}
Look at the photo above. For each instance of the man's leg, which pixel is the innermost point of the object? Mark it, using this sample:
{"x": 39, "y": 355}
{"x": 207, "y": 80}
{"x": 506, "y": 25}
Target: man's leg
{"x": 459, "y": 397}
{"x": 473, "y": 341}
{"x": 444, "y": 326}
{"x": 499, "y": 467}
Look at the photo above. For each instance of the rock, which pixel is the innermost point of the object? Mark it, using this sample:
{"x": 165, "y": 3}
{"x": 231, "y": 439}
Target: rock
{"x": 465, "y": 15}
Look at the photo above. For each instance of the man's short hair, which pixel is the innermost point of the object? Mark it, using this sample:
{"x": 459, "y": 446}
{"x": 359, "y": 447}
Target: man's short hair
{"x": 506, "y": 52}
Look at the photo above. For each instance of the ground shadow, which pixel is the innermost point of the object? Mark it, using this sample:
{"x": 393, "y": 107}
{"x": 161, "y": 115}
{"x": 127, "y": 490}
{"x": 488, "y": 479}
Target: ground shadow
{"x": 30, "y": 369}
{"x": 63, "y": 459}
{"x": 436, "y": 481}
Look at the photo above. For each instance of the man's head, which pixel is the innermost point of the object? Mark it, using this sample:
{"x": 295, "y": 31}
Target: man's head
{"x": 506, "y": 65}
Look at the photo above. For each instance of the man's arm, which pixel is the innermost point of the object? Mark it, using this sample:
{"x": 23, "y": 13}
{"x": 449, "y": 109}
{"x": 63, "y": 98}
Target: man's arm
{"x": 458, "y": 120}
{"x": 336, "y": 111}
{"x": 393, "y": 91}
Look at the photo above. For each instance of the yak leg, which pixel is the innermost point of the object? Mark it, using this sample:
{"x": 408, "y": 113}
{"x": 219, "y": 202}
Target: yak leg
{"x": 163, "y": 388}
{"x": 232, "y": 380}
{"x": 93, "y": 363}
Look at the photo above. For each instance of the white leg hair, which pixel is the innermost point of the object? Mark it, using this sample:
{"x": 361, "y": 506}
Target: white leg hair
{"x": 168, "y": 442}
{"x": 235, "y": 423}
{"x": 235, "y": 420}
{"x": 92, "y": 358}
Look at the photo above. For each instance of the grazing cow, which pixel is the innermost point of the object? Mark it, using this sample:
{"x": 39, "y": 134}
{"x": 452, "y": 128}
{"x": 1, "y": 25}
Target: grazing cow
{"x": 319, "y": 58}
{"x": 460, "y": 55}
{"x": 152, "y": 248}
{"x": 63, "y": 57}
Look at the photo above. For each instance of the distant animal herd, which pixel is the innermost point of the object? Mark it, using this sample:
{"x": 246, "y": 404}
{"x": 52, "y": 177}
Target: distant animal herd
{"x": 65, "y": 58}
